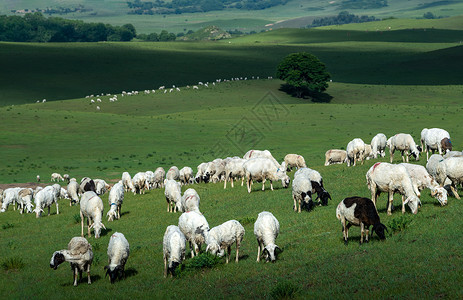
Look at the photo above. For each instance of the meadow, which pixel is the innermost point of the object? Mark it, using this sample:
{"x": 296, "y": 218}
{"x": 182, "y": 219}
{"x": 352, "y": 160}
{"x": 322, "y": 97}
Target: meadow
{"x": 421, "y": 257}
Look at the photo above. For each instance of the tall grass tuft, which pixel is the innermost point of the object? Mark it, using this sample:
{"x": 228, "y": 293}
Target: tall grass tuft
{"x": 399, "y": 224}
{"x": 13, "y": 264}
{"x": 76, "y": 218}
{"x": 7, "y": 225}
{"x": 284, "y": 290}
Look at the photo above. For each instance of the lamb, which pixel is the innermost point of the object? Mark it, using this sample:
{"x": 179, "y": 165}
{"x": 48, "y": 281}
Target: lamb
{"x": 45, "y": 198}
{"x": 385, "y": 177}
{"x": 454, "y": 172}
{"x": 118, "y": 254}
{"x": 101, "y": 187}
{"x": 87, "y": 184}
{"x": 355, "y": 151}
{"x": 25, "y": 200}
{"x": 189, "y": 201}
{"x": 66, "y": 178}
{"x": 316, "y": 181}
{"x": 223, "y": 236}
{"x": 359, "y": 211}
{"x": 194, "y": 226}
{"x": 79, "y": 254}
{"x": 421, "y": 180}
{"x": 233, "y": 170}
{"x": 56, "y": 177}
{"x": 302, "y": 193}
{"x": 10, "y": 196}
{"x": 185, "y": 175}
{"x": 115, "y": 199}
{"x": 335, "y": 156}
{"x": 264, "y": 154}
{"x": 173, "y": 195}
{"x": 435, "y": 139}
{"x": 73, "y": 190}
{"x": 127, "y": 182}
{"x": 139, "y": 183}
{"x": 173, "y": 173}
{"x": 266, "y": 230}
{"x": 159, "y": 175}
{"x": 294, "y": 160}
{"x": 174, "y": 244}
{"x": 262, "y": 169}
{"x": 378, "y": 145}
{"x": 91, "y": 206}
{"x": 404, "y": 143}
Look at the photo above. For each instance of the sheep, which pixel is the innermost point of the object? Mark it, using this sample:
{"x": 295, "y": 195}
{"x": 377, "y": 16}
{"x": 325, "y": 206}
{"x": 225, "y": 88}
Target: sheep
{"x": 453, "y": 154}
{"x": 127, "y": 182}
{"x": 433, "y": 139}
{"x": 335, "y": 156}
{"x": 173, "y": 248}
{"x": 56, "y": 177}
{"x": 91, "y": 206}
{"x": 194, "y": 226}
{"x": 404, "y": 143}
{"x": 316, "y": 181}
{"x": 302, "y": 193}
{"x": 215, "y": 170}
{"x": 189, "y": 201}
{"x": 45, "y": 198}
{"x": 115, "y": 199}
{"x": 66, "y": 178}
{"x": 1, "y": 197}
{"x": 266, "y": 230}
{"x": 359, "y": 211}
{"x": 73, "y": 190}
{"x": 454, "y": 171}
{"x": 38, "y": 178}
{"x": 264, "y": 154}
{"x": 436, "y": 168}
{"x": 233, "y": 170}
{"x": 201, "y": 172}
{"x": 159, "y": 175}
{"x": 25, "y": 200}
{"x": 149, "y": 177}
{"x": 139, "y": 183}
{"x": 421, "y": 180}
{"x": 355, "y": 151}
{"x": 185, "y": 175}
{"x": 173, "y": 173}
{"x": 87, "y": 184}
{"x": 101, "y": 187}
{"x": 378, "y": 145}
{"x": 79, "y": 254}
{"x": 368, "y": 154}
{"x": 385, "y": 177}
{"x": 294, "y": 160}
{"x": 262, "y": 169}
{"x": 63, "y": 193}
{"x": 446, "y": 145}
{"x": 118, "y": 254}
{"x": 10, "y": 196}
{"x": 173, "y": 195}
{"x": 223, "y": 236}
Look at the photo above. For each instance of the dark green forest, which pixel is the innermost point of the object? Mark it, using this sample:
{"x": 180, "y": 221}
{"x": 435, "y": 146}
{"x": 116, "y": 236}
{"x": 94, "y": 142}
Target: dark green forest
{"x": 343, "y": 17}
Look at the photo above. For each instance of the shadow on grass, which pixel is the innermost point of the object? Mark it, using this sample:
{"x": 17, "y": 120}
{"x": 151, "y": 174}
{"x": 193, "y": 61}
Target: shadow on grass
{"x": 130, "y": 272}
{"x": 105, "y": 232}
{"x": 83, "y": 280}
{"x": 125, "y": 213}
{"x": 313, "y": 96}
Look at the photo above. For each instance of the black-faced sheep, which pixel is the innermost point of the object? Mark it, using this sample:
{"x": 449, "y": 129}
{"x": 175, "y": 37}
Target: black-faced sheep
{"x": 266, "y": 230}
{"x": 118, "y": 254}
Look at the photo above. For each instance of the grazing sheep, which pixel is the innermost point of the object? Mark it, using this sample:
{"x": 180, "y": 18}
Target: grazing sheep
{"x": 421, "y": 180}
{"x": 378, "y": 145}
{"x": 189, "y": 202}
{"x": 404, "y": 143}
{"x": 436, "y": 168}
{"x": 263, "y": 169}
{"x": 233, "y": 170}
{"x": 149, "y": 177}
{"x": 10, "y": 196}
{"x": 118, "y": 254}
{"x": 173, "y": 173}
{"x": 433, "y": 139}
{"x": 56, "y": 177}
{"x": 127, "y": 182}
{"x": 185, "y": 175}
{"x": 159, "y": 175}
{"x": 195, "y": 227}
{"x": 368, "y": 154}
{"x": 101, "y": 187}
{"x": 173, "y": 195}
{"x": 139, "y": 183}
{"x": 294, "y": 160}
{"x": 38, "y": 178}
{"x": 361, "y": 212}
{"x": 173, "y": 248}
{"x": 335, "y": 156}
{"x": 446, "y": 145}
{"x": 79, "y": 254}
{"x": 25, "y": 200}
{"x": 454, "y": 172}
{"x": 316, "y": 181}
{"x": 91, "y": 206}
{"x": 355, "y": 151}
{"x": 115, "y": 199}
{"x": 385, "y": 177}
{"x": 263, "y": 154}
{"x": 86, "y": 185}
{"x": 223, "y": 236}
{"x": 73, "y": 190}
{"x": 201, "y": 172}
{"x": 266, "y": 230}
{"x": 215, "y": 170}
{"x": 45, "y": 198}
{"x": 66, "y": 178}
{"x": 302, "y": 193}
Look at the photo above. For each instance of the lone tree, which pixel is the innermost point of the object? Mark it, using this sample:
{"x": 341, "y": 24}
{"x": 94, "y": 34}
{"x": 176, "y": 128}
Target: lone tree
{"x": 303, "y": 72}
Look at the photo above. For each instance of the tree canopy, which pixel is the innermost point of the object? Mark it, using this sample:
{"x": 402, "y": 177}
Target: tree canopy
{"x": 304, "y": 73}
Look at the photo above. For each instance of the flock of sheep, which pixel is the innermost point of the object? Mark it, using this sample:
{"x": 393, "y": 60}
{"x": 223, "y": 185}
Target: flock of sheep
{"x": 255, "y": 166}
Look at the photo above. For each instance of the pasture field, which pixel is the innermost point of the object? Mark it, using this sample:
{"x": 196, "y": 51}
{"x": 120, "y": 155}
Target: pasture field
{"x": 140, "y": 133}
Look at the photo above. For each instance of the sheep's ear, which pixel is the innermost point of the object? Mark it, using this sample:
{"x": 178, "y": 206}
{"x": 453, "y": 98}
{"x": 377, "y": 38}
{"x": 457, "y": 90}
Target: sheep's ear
{"x": 278, "y": 248}
{"x": 106, "y": 267}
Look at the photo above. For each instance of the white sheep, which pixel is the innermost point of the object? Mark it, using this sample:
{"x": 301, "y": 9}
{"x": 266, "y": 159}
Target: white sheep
{"x": 316, "y": 181}
{"x": 127, "y": 182}
{"x": 79, "y": 254}
{"x": 159, "y": 175}
{"x": 173, "y": 194}
{"x": 173, "y": 173}
{"x": 404, "y": 143}
{"x": 201, "y": 172}
{"x": 173, "y": 248}
{"x": 185, "y": 175}
{"x": 139, "y": 183}
{"x": 421, "y": 180}
{"x": 259, "y": 153}
{"x": 38, "y": 178}
{"x": 378, "y": 145}
{"x": 189, "y": 201}
{"x": 73, "y": 190}
{"x": 10, "y": 197}
{"x": 91, "y": 206}
{"x": 115, "y": 199}
{"x": 45, "y": 198}
{"x": 101, "y": 187}
{"x": 195, "y": 227}
{"x": 355, "y": 151}
{"x": 294, "y": 160}
{"x": 118, "y": 254}
{"x": 56, "y": 177}
{"x": 234, "y": 169}
{"x": 436, "y": 168}
{"x": 454, "y": 172}
{"x": 263, "y": 169}
{"x": 385, "y": 177}
{"x": 453, "y": 154}
{"x": 302, "y": 193}
{"x": 66, "y": 177}
{"x": 431, "y": 140}
{"x": 266, "y": 230}
{"x": 150, "y": 179}
{"x": 222, "y": 237}
{"x": 335, "y": 156}
{"x": 215, "y": 170}
{"x": 25, "y": 200}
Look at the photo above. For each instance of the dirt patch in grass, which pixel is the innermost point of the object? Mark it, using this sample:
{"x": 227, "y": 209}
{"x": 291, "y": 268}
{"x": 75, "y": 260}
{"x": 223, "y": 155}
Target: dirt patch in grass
{"x": 31, "y": 185}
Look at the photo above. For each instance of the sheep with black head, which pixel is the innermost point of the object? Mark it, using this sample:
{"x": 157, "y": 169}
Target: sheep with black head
{"x": 118, "y": 254}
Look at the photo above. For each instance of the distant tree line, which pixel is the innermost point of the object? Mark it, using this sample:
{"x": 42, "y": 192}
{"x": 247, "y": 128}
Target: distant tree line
{"x": 34, "y": 27}
{"x": 363, "y": 4}
{"x": 54, "y": 10}
{"x": 164, "y": 36}
{"x": 192, "y": 6}
{"x": 343, "y": 17}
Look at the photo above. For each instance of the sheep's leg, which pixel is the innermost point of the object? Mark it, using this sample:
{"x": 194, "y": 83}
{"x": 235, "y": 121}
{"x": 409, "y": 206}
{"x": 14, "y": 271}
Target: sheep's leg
{"x": 294, "y": 205}
{"x": 168, "y": 204}
{"x": 362, "y": 229}
{"x": 271, "y": 185}
{"x": 263, "y": 184}
{"x": 344, "y": 229}
{"x": 248, "y": 184}
{"x": 119, "y": 208}
{"x": 165, "y": 266}
{"x": 228, "y": 254}
{"x": 88, "y": 227}
{"x": 258, "y": 251}
{"x": 75, "y": 276}
{"x": 49, "y": 208}
{"x": 82, "y": 222}
{"x": 403, "y": 204}
{"x": 89, "y": 280}
{"x": 454, "y": 191}
{"x": 391, "y": 154}
{"x": 225, "y": 183}
{"x": 367, "y": 231}
{"x": 389, "y": 204}
{"x": 231, "y": 181}
{"x": 237, "y": 250}
{"x": 57, "y": 210}
{"x": 192, "y": 250}
{"x": 242, "y": 181}
{"x": 299, "y": 210}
